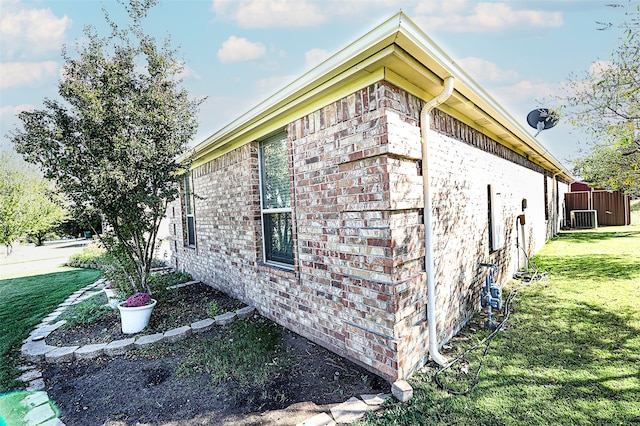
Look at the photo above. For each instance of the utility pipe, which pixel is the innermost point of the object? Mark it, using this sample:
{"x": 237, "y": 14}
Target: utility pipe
{"x": 554, "y": 203}
{"x": 425, "y": 119}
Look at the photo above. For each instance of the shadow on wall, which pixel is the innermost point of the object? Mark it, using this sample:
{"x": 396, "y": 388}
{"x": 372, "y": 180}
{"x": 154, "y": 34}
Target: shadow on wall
{"x": 460, "y": 245}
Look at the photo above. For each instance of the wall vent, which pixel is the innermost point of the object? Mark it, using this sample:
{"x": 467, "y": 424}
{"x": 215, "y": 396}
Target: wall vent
{"x": 584, "y": 219}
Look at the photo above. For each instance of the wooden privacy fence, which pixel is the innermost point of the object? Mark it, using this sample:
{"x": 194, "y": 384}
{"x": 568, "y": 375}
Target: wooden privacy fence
{"x": 613, "y": 208}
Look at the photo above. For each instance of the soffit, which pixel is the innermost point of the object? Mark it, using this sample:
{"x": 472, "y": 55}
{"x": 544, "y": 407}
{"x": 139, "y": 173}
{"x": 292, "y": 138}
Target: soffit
{"x": 396, "y": 51}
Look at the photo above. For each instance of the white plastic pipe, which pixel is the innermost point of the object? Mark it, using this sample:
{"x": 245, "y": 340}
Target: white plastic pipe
{"x": 428, "y": 229}
{"x": 554, "y": 204}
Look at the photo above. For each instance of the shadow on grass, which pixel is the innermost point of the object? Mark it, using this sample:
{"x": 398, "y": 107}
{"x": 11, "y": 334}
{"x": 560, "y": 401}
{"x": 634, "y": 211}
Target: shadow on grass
{"x": 593, "y": 236}
{"x": 591, "y": 266}
{"x": 580, "y": 357}
{"x": 559, "y": 361}
{"x": 76, "y": 245}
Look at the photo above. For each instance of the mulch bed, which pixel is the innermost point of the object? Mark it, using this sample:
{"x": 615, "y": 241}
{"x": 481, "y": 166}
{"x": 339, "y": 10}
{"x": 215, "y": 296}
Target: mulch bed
{"x": 182, "y": 306}
{"x": 145, "y": 387}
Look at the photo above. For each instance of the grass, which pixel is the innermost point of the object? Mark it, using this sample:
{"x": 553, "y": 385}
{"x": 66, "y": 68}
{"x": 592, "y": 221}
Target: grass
{"x": 23, "y": 303}
{"x": 570, "y": 353}
{"x": 249, "y": 352}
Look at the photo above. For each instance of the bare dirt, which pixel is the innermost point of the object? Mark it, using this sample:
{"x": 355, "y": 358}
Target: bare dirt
{"x": 150, "y": 387}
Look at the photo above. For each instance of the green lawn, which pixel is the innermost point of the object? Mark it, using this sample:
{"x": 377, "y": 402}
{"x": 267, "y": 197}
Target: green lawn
{"x": 570, "y": 353}
{"x": 23, "y": 303}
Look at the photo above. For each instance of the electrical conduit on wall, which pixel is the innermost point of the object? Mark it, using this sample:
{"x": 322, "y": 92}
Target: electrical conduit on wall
{"x": 425, "y": 120}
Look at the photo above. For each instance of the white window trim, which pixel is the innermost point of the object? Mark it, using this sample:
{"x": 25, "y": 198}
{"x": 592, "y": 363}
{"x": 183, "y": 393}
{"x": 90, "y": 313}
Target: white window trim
{"x": 497, "y": 219}
{"x": 189, "y": 200}
{"x": 264, "y": 211}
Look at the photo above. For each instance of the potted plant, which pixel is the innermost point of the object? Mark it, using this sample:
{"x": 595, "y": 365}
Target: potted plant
{"x": 135, "y": 312}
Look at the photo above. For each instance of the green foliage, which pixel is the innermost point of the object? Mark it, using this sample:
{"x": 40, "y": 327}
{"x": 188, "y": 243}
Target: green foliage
{"x": 96, "y": 257}
{"x": 606, "y": 103}
{"x": 158, "y": 283}
{"x": 607, "y": 167}
{"x": 113, "y": 145}
{"x": 45, "y": 210}
{"x": 87, "y": 311}
{"x": 23, "y": 304}
{"x": 29, "y": 205}
{"x": 92, "y": 256}
{"x": 213, "y": 310}
{"x": 77, "y": 225}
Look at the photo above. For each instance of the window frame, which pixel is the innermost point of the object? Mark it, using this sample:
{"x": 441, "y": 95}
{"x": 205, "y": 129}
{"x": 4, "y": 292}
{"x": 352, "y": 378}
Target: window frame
{"x": 188, "y": 206}
{"x": 267, "y": 213}
{"x": 496, "y": 219}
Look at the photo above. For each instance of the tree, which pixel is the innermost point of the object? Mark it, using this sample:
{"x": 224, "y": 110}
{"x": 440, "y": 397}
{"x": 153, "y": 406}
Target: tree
{"x": 11, "y": 193}
{"x": 607, "y": 104}
{"x": 29, "y": 204}
{"x": 75, "y": 226}
{"x": 44, "y": 210}
{"x": 113, "y": 146}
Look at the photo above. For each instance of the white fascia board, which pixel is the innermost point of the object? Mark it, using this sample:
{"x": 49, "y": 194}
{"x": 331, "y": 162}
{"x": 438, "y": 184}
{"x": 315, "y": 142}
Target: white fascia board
{"x": 350, "y": 56}
{"x": 418, "y": 43}
{"x": 403, "y": 32}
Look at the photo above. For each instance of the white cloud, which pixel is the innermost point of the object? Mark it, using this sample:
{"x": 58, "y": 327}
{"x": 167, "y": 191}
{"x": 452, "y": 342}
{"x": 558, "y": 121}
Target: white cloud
{"x": 302, "y": 13}
{"x": 468, "y": 16}
{"x": 10, "y": 111}
{"x": 314, "y": 56}
{"x": 271, "y": 13}
{"x": 18, "y": 74}
{"x": 599, "y": 67}
{"x": 26, "y": 33}
{"x": 188, "y": 72}
{"x": 525, "y": 91}
{"x": 486, "y": 71}
{"x": 267, "y": 85}
{"x": 236, "y": 49}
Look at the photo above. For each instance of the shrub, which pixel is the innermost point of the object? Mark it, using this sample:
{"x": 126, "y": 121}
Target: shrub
{"x": 87, "y": 311}
{"x": 93, "y": 256}
{"x": 158, "y": 283}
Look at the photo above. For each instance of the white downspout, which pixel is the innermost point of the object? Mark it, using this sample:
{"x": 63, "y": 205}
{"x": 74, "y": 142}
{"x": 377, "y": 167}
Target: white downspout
{"x": 554, "y": 204}
{"x": 428, "y": 229}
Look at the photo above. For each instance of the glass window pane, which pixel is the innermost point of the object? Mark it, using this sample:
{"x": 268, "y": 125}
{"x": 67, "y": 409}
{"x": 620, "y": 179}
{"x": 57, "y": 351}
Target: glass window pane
{"x": 278, "y": 235}
{"x": 188, "y": 194}
{"x": 276, "y": 191}
{"x": 191, "y": 231}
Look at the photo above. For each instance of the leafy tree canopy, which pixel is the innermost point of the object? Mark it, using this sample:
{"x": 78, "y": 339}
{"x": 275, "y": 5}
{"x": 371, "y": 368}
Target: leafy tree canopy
{"x": 113, "y": 144}
{"x": 607, "y": 104}
{"x": 29, "y": 204}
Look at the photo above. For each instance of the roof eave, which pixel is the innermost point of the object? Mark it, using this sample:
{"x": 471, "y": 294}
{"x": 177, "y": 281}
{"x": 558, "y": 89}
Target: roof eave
{"x": 370, "y": 52}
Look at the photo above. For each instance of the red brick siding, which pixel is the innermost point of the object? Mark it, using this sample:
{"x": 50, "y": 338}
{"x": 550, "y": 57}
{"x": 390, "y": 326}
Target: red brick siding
{"x": 358, "y": 286}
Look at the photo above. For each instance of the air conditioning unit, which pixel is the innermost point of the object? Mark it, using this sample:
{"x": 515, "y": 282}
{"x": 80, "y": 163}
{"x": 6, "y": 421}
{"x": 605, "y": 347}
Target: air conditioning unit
{"x": 584, "y": 219}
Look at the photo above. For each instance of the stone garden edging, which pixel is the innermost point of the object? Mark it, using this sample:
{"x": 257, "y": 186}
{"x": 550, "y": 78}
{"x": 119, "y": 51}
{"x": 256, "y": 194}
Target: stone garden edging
{"x": 35, "y": 349}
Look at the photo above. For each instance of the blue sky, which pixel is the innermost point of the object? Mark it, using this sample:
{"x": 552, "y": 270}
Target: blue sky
{"x": 238, "y": 52}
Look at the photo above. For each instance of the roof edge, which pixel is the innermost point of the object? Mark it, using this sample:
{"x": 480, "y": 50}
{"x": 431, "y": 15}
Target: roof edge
{"x": 398, "y": 30}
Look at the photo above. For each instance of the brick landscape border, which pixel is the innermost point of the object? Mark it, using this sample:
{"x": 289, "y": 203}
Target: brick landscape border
{"x": 35, "y": 348}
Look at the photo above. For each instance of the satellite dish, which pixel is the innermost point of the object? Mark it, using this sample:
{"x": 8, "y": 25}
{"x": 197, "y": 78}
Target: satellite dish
{"x": 542, "y": 119}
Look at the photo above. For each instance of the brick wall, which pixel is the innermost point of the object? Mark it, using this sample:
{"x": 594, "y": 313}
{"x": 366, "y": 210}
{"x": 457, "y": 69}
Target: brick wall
{"x": 358, "y": 286}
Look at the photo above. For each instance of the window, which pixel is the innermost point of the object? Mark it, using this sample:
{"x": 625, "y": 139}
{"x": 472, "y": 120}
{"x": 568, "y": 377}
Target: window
{"x": 190, "y": 223}
{"x": 546, "y": 197}
{"x": 277, "y": 227}
{"x": 496, "y": 221}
